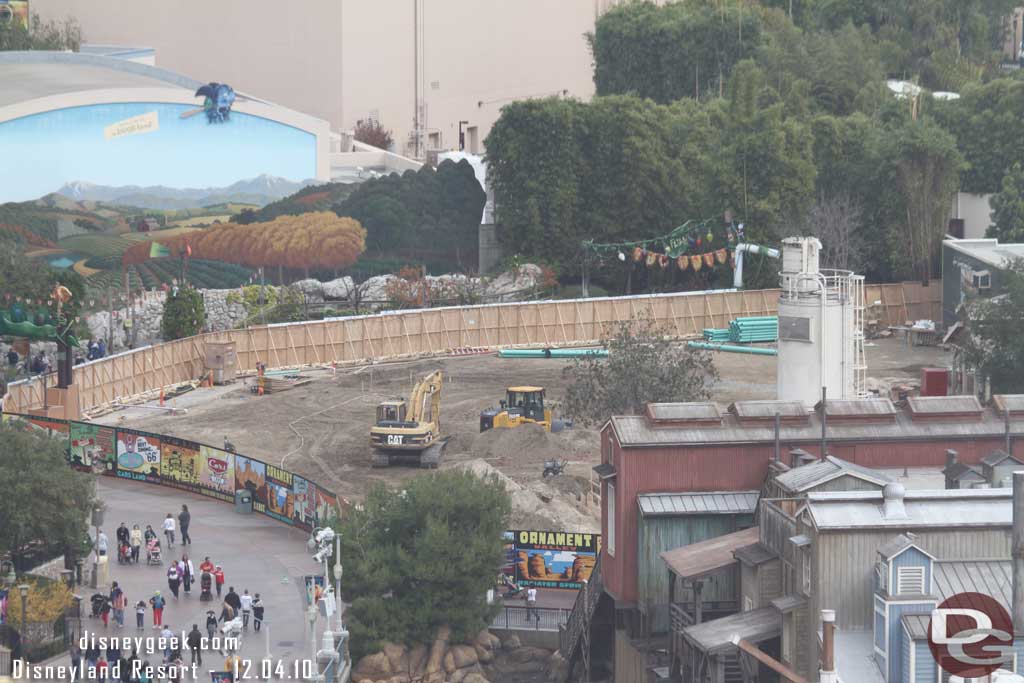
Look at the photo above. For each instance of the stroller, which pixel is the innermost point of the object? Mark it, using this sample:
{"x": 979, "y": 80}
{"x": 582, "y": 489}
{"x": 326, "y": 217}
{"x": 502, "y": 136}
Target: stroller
{"x": 96, "y": 603}
{"x": 124, "y": 553}
{"x": 153, "y": 552}
{"x": 206, "y": 583}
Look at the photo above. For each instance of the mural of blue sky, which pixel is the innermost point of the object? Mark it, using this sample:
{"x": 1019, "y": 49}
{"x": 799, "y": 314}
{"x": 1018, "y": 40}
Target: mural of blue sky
{"x": 145, "y": 144}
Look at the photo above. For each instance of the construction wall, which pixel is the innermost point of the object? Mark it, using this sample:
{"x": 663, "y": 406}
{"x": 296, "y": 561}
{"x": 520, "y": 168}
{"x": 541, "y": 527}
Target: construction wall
{"x": 399, "y": 334}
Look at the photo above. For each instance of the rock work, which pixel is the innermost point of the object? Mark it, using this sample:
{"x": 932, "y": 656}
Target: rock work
{"x": 482, "y": 660}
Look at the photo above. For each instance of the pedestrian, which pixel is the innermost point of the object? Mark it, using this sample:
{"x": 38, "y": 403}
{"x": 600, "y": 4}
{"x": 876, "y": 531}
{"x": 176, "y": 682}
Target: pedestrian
{"x": 140, "y": 614}
{"x": 232, "y": 599}
{"x": 135, "y": 539}
{"x": 227, "y": 612}
{"x": 113, "y": 652}
{"x": 118, "y": 601}
{"x": 101, "y": 349}
{"x": 195, "y": 642}
{"x": 126, "y": 664}
{"x": 167, "y": 636}
{"x": 105, "y": 611}
{"x": 101, "y": 544}
{"x": 187, "y": 570}
{"x": 257, "y": 613}
{"x": 90, "y": 350}
{"x": 211, "y": 623}
{"x": 123, "y": 534}
{"x": 218, "y": 578}
{"x": 77, "y": 659}
{"x": 531, "y": 603}
{"x": 169, "y": 529}
{"x": 184, "y": 519}
{"x": 206, "y": 566}
{"x": 13, "y": 358}
{"x": 157, "y": 602}
{"x": 173, "y": 578}
{"x": 101, "y": 670}
{"x": 146, "y": 672}
{"x": 149, "y": 534}
{"x": 245, "y": 601}
{"x": 233, "y": 663}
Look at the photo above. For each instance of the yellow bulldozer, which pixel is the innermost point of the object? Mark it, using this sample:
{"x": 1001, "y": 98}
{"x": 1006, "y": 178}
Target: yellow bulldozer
{"x": 522, "y": 405}
{"x": 410, "y": 431}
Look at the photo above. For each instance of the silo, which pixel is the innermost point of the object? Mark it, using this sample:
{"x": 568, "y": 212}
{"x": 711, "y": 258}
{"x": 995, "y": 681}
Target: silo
{"x": 821, "y": 327}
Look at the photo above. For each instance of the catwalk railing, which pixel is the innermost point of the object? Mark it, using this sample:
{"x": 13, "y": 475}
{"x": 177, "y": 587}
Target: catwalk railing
{"x": 402, "y": 334}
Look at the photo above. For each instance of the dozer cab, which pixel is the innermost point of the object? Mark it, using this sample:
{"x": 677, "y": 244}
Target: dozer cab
{"x": 410, "y": 431}
{"x": 522, "y": 405}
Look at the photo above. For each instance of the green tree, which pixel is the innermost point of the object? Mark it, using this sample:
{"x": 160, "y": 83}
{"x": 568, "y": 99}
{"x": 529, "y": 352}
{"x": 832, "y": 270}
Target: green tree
{"x": 41, "y": 35}
{"x": 993, "y": 344}
{"x": 184, "y": 314}
{"x": 372, "y": 133}
{"x": 1008, "y": 207}
{"x": 643, "y": 366}
{"x": 45, "y": 502}
{"x": 423, "y": 557}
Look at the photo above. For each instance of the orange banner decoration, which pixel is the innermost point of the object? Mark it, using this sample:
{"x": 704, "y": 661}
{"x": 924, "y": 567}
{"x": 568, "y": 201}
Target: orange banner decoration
{"x": 732, "y": 259}
{"x": 638, "y": 254}
{"x": 709, "y": 259}
{"x": 663, "y": 261}
{"x": 696, "y": 262}
{"x": 652, "y": 258}
{"x": 721, "y": 255}
{"x": 683, "y": 262}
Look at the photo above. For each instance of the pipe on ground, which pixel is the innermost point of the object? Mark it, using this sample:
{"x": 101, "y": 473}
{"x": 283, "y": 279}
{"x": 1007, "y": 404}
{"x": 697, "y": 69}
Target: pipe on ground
{"x": 756, "y": 350}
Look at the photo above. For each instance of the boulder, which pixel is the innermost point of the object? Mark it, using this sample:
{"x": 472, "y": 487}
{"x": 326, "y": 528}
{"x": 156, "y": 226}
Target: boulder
{"x": 376, "y": 288}
{"x": 511, "y": 643}
{"x": 313, "y": 289}
{"x": 417, "y": 660}
{"x": 433, "y": 677}
{"x": 373, "y": 667}
{"x": 488, "y": 640}
{"x": 508, "y": 284}
{"x": 558, "y": 668}
{"x": 398, "y": 656}
{"x": 340, "y": 288}
{"x": 438, "y": 650}
{"x": 483, "y": 654}
{"x": 464, "y": 655}
{"x": 529, "y": 654}
{"x": 475, "y": 677}
{"x": 449, "y": 663}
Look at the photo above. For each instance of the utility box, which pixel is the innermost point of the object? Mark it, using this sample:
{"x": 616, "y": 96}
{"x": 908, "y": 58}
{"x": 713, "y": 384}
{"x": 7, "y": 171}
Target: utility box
{"x": 243, "y": 501}
{"x": 934, "y": 381}
{"x": 222, "y": 361}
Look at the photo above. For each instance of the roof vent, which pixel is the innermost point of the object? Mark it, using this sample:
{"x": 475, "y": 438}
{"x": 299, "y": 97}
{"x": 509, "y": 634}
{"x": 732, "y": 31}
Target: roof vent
{"x": 892, "y": 497}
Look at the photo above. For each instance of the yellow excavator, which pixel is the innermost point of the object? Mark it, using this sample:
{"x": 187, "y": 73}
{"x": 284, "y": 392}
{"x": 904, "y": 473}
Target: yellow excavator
{"x": 410, "y": 431}
{"x": 523, "y": 405}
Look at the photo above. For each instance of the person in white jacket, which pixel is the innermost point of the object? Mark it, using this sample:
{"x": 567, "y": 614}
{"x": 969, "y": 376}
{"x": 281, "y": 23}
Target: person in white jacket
{"x": 169, "y": 529}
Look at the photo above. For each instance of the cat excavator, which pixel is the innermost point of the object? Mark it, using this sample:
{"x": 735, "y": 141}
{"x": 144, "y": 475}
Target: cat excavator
{"x": 410, "y": 431}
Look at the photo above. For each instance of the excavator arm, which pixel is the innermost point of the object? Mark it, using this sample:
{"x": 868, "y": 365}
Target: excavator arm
{"x": 428, "y": 389}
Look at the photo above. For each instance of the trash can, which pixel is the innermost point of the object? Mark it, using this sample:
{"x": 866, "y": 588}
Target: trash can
{"x": 243, "y": 501}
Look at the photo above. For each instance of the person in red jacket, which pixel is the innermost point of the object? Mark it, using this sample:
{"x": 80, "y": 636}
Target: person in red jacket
{"x": 218, "y": 578}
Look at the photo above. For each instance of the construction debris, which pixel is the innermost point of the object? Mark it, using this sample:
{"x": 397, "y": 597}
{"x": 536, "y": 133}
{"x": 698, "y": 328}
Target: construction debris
{"x": 277, "y": 384}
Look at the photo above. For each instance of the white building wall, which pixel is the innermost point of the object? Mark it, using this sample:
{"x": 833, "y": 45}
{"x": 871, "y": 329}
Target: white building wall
{"x": 976, "y": 212}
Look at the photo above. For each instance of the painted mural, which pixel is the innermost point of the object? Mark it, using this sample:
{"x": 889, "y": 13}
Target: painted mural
{"x": 92, "y": 448}
{"x": 179, "y": 463}
{"x": 138, "y": 456}
{"x": 305, "y": 501}
{"x": 252, "y": 474}
{"x": 217, "y": 472}
{"x": 147, "y": 144}
{"x": 552, "y": 559}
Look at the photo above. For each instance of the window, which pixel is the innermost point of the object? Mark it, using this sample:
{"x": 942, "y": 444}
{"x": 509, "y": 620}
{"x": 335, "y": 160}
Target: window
{"x": 473, "y": 139}
{"x": 981, "y": 279}
{"x": 910, "y": 580}
{"x": 807, "y": 571}
{"x": 748, "y": 604}
{"x": 882, "y": 577}
{"x": 611, "y": 519}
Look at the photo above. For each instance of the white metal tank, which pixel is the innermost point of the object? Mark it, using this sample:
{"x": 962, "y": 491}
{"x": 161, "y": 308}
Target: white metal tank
{"x": 821, "y": 327}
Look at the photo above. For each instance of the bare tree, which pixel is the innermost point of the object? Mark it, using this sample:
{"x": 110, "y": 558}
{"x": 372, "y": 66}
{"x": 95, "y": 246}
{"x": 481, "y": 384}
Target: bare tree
{"x": 835, "y": 221}
{"x": 356, "y": 292}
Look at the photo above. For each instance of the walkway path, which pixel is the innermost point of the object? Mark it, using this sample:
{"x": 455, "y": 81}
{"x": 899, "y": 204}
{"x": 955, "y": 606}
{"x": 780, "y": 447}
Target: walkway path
{"x": 256, "y": 553}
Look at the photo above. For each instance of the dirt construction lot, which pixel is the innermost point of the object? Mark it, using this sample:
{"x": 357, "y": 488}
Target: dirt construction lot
{"x": 321, "y": 430}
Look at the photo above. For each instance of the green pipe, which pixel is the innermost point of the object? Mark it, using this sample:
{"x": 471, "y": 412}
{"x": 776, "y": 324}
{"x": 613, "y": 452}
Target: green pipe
{"x": 756, "y": 350}
{"x": 552, "y": 353}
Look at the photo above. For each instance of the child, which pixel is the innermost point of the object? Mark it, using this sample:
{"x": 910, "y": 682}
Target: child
{"x": 211, "y": 623}
{"x": 257, "y": 612}
{"x": 218, "y": 578}
{"x": 105, "y": 612}
{"x": 101, "y": 670}
{"x": 140, "y": 614}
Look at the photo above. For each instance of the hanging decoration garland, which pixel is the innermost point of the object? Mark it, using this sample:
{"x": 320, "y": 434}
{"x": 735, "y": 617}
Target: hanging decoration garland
{"x": 685, "y": 245}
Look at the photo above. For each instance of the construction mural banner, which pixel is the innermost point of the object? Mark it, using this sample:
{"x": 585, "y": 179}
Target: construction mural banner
{"x": 190, "y": 466}
{"x": 552, "y": 559}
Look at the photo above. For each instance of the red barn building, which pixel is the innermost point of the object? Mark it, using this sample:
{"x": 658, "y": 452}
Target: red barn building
{"x": 691, "y": 447}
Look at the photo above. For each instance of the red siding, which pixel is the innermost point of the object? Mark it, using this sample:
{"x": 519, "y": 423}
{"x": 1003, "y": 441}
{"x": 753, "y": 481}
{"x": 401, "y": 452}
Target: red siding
{"x": 736, "y": 468}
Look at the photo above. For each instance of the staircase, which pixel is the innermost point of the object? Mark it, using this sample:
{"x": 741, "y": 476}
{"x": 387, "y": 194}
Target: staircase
{"x": 733, "y": 669}
{"x": 575, "y": 635}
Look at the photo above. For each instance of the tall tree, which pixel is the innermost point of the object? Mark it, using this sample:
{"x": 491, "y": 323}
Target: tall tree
{"x": 1008, "y": 207}
{"x": 45, "y": 502}
{"x": 994, "y": 344}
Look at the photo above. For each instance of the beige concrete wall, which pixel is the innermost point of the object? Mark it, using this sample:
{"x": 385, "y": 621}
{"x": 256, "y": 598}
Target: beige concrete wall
{"x": 343, "y": 60}
{"x": 976, "y": 212}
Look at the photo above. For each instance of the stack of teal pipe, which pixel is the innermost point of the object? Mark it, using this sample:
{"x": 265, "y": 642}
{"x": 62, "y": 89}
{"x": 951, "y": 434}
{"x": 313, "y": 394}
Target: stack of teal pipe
{"x": 552, "y": 353}
{"x": 751, "y": 330}
{"x": 712, "y": 334}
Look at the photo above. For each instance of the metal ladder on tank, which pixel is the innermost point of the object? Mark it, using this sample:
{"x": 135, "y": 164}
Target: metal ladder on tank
{"x": 860, "y": 364}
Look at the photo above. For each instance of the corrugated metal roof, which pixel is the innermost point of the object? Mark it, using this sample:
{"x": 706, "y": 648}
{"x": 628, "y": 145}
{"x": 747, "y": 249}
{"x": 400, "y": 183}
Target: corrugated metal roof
{"x": 635, "y": 430}
{"x": 699, "y": 559}
{"x": 961, "y": 472}
{"x": 808, "y": 476}
{"x": 754, "y": 626}
{"x": 768, "y": 409}
{"x": 997, "y": 457}
{"x": 711, "y": 503}
{"x": 859, "y": 407}
{"x": 943, "y": 405}
{"x": 988, "y": 577}
{"x": 605, "y": 470}
{"x": 788, "y": 603}
{"x": 898, "y": 545}
{"x": 754, "y": 554}
{"x": 924, "y": 508}
{"x": 917, "y": 625}
{"x": 683, "y": 411}
{"x": 1015, "y": 402}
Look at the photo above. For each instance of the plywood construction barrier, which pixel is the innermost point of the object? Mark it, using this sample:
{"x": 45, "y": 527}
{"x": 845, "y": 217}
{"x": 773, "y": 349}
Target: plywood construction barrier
{"x": 403, "y": 334}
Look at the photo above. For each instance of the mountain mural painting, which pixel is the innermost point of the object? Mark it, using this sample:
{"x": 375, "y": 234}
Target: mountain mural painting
{"x": 552, "y": 559}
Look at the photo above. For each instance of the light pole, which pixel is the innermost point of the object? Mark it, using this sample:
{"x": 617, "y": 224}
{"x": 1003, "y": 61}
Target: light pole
{"x": 337, "y": 583}
{"x": 23, "y": 589}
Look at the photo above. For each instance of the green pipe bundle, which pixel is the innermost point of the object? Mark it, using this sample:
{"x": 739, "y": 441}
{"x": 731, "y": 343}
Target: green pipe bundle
{"x": 552, "y": 353}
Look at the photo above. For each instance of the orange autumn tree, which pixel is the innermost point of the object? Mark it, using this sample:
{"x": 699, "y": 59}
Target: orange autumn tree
{"x": 319, "y": 240}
